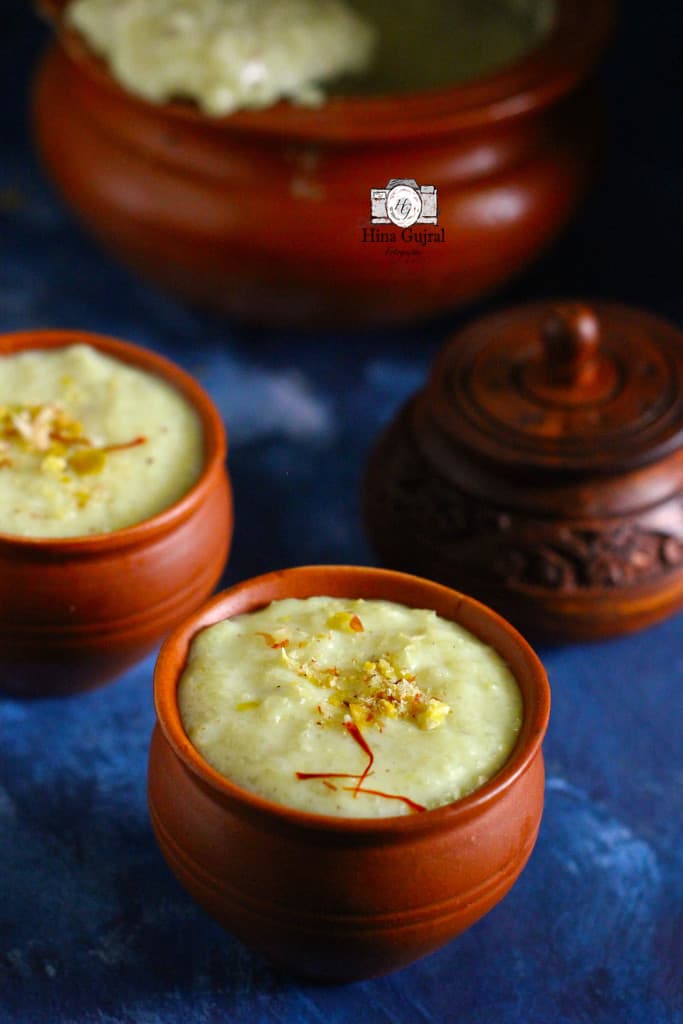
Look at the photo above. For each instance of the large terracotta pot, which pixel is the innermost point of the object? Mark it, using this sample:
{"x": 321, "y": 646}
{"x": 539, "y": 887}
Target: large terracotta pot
{"x": 344, "y": 898}
{"x": 266, "y": 215}
{"x": 76, "y": 612}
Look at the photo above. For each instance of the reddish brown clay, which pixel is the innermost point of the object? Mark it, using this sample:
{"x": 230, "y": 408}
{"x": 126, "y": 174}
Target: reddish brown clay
{"x": 542, "y": 468}
{"x": 263, "y": 214}
{"x": 74, "y": 613}
{"x": 341, "y": 898}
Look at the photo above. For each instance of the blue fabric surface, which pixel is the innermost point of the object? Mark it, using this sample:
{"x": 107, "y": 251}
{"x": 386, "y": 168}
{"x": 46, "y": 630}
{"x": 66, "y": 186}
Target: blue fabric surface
{"x": 93, "y": 928}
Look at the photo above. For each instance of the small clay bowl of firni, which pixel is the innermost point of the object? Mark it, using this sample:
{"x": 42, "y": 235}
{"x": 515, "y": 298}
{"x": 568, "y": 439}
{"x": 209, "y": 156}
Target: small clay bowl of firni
{"x": 207, "y": 150}
{"x": 115, "y": 506}
{"x": 346, "y": 770}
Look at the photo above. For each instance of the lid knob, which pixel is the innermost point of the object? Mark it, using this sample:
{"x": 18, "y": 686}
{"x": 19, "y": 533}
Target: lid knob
{"x": 572, "y": 368}
{"x": 571, "y": 340}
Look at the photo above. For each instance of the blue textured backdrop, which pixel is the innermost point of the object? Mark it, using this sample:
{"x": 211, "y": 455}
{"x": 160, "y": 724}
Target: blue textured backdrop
{"x": 93, "y": 928}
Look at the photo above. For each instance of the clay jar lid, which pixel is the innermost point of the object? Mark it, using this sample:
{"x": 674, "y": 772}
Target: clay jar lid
{"x": 541, "y": 468}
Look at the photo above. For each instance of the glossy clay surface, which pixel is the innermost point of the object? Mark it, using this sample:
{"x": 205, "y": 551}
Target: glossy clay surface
{"x": 276, "y": 699}
{"x": 89, "y": 444}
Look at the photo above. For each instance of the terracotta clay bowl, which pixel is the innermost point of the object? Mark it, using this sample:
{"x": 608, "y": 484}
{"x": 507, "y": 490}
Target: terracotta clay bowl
{"x": 76, "y": 612}
{"x": 264, "y": 214}
{"x": 341, "y": 898}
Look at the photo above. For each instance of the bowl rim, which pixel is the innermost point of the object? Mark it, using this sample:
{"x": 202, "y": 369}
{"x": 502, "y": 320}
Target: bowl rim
{"x": 145, "y": 359}
{"x": 309, "y": 580}
{"x": 551, "y": 68}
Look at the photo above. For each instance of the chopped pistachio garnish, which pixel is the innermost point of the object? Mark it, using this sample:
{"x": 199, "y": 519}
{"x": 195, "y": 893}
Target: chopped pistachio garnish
{"x": 54, "y": 464}
{"x": 369, "y": 693}
{"x": 87, "y": 460}
{"x": 346, "y": 622}
{"x": 38, "y": 427}
{"x": 49, "y": 431}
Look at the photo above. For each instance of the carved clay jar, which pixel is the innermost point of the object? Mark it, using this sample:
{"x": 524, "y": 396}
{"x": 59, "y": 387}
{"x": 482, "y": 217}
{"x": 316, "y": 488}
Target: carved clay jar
{"x": 344, "y": 898}
{"x": 542, "y": 468}
{"x": 265, "y": 214}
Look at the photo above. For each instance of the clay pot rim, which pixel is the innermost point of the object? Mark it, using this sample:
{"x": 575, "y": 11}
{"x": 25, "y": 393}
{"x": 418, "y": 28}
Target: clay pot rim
{"x": 215, "y": 443}
{"x": 309, "y": 580}
{"x": 540, "y": 77}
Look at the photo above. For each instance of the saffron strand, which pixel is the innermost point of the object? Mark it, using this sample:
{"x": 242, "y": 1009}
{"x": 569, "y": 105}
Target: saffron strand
{"x": 356, "y": 735}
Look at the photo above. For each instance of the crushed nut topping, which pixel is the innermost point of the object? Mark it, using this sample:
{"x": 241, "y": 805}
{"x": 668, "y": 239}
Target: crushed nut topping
{"x": 346, "y": 622}
{"x": 50, "y": 432}
{"x": 370, "y": 692}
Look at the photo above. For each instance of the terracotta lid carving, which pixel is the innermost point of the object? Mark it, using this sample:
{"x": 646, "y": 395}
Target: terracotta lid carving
{"x": 563, "y": 387}
{"x": 541, "y": 469}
